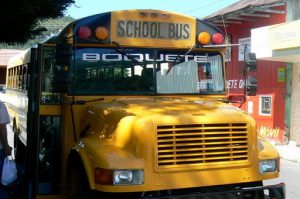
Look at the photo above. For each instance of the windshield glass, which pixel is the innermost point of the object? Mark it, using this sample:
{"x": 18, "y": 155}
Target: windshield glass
{"x": 147, "y": 71}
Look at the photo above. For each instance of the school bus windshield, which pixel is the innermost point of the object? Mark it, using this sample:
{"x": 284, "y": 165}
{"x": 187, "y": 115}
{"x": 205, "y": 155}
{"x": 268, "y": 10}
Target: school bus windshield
{"x": 147, "y": 71}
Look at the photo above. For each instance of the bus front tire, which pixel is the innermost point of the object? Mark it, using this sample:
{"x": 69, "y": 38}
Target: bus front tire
{"x": 77, "y": 183}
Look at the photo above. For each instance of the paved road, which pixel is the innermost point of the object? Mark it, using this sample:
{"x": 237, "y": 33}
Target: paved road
{"x": 290, "y": 175}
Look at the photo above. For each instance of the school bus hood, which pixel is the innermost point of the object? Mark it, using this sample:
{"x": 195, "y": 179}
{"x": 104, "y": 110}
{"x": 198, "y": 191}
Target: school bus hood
{"x": 167, "y": 111}
{"x": 126, "y": 129}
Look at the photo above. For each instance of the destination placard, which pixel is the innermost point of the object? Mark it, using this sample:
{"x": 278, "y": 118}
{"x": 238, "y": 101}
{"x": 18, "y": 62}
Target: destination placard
{"x": 141, "y": 57}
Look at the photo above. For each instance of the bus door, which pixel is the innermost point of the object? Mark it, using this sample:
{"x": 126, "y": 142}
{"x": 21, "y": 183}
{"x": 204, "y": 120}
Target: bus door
{"x": 44, "y": 124}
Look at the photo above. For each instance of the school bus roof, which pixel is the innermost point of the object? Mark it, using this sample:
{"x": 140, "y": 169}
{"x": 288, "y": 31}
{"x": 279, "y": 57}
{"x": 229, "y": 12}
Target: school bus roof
{"x": 19, "y": 59}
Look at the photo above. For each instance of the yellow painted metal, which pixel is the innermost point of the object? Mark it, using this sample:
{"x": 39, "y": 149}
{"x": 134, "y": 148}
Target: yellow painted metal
{"x": 181, "y": 23}
{"x": 123, "y": 131}
{"x": 50, "y": 110}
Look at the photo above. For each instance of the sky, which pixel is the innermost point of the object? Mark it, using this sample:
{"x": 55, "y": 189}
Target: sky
{"x": 196, "y": 8}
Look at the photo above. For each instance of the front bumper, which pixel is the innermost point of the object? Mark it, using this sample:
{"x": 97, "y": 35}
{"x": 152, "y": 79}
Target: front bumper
{"x": 262, "y": 192}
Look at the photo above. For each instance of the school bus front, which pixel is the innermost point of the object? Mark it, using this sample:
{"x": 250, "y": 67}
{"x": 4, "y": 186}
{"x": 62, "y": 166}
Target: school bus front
{"x": 138, "y": 102}
{"x": 158, "y": 143}
{"x": 156, "y": 122}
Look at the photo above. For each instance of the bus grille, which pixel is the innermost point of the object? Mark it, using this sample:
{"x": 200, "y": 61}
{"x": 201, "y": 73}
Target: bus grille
{"x": 201, "y": 143}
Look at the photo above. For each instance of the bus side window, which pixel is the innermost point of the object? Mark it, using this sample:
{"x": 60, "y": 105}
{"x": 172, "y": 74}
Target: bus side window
{"x": 20, "y": 76}
{"x": 48, "y": 94}
{"x": 24, "y": 77}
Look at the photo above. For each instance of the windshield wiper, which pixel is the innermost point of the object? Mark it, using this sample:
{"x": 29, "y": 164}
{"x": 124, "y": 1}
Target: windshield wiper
{"x": 82, "y": 102}
{"x": 177, "y": 60}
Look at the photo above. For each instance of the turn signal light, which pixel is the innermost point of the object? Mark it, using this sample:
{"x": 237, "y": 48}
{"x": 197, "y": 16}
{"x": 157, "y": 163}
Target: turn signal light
{"x": 103, "y": 176}
{"x": 204, "y": 38}
{"x": 101, "y": 33}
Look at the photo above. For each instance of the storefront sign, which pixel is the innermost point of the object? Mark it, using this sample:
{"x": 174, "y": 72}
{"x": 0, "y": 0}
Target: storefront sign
{"x": 235, "y": 83}
{"x": 285, "y": 35}
{"x": 272, "y": 134}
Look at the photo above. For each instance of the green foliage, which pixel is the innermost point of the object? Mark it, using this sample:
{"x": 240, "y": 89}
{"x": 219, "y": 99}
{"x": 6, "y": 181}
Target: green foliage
{"x": 20, "y": 18}
{"x": 52, "y": 27}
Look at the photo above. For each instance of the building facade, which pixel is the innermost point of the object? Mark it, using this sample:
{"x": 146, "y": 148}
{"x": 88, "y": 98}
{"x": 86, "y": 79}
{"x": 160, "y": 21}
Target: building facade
{"x": 268, "y": 107}
{"x": 284, "y": 46}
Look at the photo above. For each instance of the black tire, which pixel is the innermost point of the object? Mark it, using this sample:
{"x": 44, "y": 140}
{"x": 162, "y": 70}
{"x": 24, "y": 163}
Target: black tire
{"x": 77, "y": 182}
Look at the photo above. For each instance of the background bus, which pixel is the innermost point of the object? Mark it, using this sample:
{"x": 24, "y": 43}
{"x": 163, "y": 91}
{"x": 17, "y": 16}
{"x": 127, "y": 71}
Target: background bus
{"x": 133, "y": 104}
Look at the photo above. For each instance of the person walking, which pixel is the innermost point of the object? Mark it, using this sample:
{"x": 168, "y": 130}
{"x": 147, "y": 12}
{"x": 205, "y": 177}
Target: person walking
{"x": 5, "y": 149}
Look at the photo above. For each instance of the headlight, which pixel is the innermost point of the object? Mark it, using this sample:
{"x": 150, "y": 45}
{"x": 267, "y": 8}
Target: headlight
{"x": 128, "y": 177}
{"x": 266, "y": 166}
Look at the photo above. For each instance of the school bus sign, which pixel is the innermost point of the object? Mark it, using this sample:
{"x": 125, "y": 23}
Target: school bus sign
{"x": 163, "y": 29}
{"x": 153, "y": 30}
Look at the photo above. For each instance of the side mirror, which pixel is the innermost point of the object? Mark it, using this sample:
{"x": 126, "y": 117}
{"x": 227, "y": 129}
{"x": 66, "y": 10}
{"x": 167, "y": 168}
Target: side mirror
{"x": 250, "y": 62}
{"x": 251, "y": 86}
{"x": 63, "y": 62}
{"x": 250, "y": 73}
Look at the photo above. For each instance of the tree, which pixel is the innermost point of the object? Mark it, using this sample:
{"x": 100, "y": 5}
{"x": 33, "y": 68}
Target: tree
{"x": 19, "y": 18}
{"x": 52, "y": 26}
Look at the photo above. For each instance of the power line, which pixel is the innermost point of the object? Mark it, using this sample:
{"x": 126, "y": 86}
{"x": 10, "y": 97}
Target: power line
{"x": 218, "y": 1}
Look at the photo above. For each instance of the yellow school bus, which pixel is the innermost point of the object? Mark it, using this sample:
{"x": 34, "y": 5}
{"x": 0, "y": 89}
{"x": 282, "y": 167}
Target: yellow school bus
{"x": 133, "y": 104}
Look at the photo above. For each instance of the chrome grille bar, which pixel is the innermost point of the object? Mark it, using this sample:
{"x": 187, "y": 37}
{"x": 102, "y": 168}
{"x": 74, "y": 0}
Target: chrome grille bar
{"x": 201, "y": 143}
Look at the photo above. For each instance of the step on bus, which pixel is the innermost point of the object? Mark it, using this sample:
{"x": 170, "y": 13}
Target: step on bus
{"x": 133, "y": 104}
